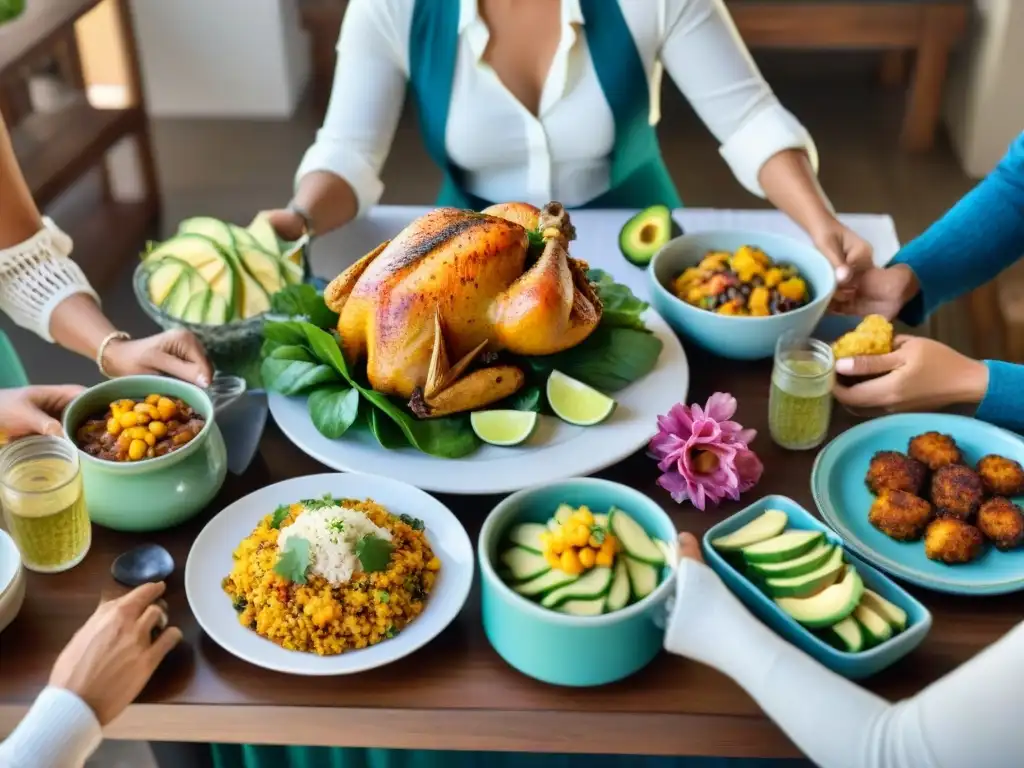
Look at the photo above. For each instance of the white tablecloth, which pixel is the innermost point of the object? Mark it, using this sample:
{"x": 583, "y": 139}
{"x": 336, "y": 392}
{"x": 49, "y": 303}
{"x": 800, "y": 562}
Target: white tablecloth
{"x": 597, "y": 233}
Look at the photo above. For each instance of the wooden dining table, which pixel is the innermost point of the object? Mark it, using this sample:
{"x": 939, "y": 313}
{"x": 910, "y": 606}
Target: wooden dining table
{"x": 457, "y": 693}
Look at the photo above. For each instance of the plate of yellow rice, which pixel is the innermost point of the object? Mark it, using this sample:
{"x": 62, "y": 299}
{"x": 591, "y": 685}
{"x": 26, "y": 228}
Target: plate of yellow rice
{"x": 329, "y": 574}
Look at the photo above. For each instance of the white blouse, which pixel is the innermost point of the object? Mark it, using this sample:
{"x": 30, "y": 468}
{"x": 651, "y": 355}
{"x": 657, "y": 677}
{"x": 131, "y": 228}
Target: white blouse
{"x": 506, "y": 151}
{"x": 971, "y": 718}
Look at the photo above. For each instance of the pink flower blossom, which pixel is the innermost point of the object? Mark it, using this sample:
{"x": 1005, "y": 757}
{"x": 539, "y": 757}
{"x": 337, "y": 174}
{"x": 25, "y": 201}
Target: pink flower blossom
{"x": 704, "y": 455}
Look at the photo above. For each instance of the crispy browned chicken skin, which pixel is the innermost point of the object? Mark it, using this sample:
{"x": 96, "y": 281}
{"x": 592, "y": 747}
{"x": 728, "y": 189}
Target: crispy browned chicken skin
{"x": 1002, "y": 523}
{"x": 952, "y": 541}
{"x": 892, "y": 471}
{"x": 956, "y": 491}
{"x": 900, "y": 515}
{"x": 935, "y": 450}
{"x": 1001, "y": 476}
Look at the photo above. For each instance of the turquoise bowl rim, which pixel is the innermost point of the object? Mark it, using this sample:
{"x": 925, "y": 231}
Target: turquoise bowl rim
{"x": 490, "y": 530}
{"x": 911, "y": 637}
{"x": 197, "y": 398}
{"x": 823, "y": 297}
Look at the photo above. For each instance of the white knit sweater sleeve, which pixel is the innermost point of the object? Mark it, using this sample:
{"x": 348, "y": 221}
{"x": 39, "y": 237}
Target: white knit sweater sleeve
{"x": 971, "y": 718}
{"x": 59, "y": 730}
{"x": 36, "y": 276}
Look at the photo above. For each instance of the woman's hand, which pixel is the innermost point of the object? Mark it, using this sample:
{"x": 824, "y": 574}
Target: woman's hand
{"x": 111, "y": 658}
{"x": 176, "y": 353}
{"x": 288, "y": 224}
{"x": 879, "y": 291}
{"x": 690, "y": 547}
{"x": 849, "y": 253}
{"x": 920, "y": 374}
{"x": 34, "y": 410}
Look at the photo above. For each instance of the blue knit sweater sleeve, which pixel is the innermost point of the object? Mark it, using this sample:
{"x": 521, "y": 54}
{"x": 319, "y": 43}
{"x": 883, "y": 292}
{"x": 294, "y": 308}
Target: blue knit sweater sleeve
{"x": 978, "y": 238}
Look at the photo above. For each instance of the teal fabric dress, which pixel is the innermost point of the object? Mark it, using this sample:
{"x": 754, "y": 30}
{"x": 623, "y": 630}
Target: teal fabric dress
{"x": 12, "y": 372}
{"x": 639, "y": 179}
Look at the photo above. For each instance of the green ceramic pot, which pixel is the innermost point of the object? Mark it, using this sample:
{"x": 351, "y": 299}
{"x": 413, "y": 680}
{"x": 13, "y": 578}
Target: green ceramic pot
{"x": 158, "y": 493}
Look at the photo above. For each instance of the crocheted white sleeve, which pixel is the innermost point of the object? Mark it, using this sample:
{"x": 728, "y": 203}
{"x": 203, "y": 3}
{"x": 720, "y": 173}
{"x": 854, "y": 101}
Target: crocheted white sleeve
{"x": 36, "y": 276}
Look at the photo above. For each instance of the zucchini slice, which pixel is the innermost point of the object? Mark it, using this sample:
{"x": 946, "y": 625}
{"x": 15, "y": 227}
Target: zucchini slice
{"x": 590, "y": 586}
{"x": 552, "y": 580}
{"x": 643, "y": 577}
{"x": 582, "y": 607}
{"x": 524, "y": 564}
{"x": 619, "y": 592}
{"x": 634, "y": 539}
{"x": 528, "y": 536}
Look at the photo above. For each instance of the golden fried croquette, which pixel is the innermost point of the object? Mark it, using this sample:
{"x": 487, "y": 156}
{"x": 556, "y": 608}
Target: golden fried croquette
{"x": 1002, "y": 523}
{"x": 900, "y": 515}
{"x": 956, "y": 491}
{"x": 872, "y": 337}
{"x": 1001, "y": 476}
{"x": 952, "y": 541}
{"x": 935, "y": 450}
{"x": 893, "y": 471}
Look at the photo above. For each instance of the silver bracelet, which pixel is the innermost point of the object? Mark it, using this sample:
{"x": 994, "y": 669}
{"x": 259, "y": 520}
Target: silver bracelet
{"x": 102, "y": 351}
{"x": 307, "y": 218}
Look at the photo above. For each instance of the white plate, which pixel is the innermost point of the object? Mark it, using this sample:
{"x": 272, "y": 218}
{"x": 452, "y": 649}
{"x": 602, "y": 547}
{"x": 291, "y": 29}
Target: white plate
{"x": 556, "y": 450}
{"x": 209, "y": 562}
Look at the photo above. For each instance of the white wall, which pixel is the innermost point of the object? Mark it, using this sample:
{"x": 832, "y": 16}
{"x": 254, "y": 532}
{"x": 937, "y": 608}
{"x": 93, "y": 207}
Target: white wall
{"x": 222, "y": 58}
{"x": 985, "y": 108}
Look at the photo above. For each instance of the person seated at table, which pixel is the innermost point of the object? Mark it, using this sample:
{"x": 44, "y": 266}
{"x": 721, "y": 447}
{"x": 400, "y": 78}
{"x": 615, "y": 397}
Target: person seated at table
{"x": 552, "y": 100}
{"x": 968, "y": 719}
{"x": 97, "y": 675}
{"x": 978, "y": 238}
{"x": 43, "y": 290}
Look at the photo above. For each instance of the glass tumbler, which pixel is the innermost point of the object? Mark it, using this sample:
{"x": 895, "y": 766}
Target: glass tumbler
{"x": 800, "y": 404}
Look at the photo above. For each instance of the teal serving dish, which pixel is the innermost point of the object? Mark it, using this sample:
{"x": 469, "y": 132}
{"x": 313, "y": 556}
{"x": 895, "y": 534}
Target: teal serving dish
{"x": 571, "y": 650}
{"x": 739, "y": 338}
{"x": 158, "y": 493}
{"x": 851, "y": 665}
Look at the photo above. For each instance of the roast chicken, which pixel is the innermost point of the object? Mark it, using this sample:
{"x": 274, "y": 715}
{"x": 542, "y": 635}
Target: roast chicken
{"x": 430, "y": 309}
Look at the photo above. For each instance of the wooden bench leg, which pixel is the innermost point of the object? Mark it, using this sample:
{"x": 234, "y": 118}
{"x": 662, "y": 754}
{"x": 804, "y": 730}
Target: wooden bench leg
{"x": 924, "y": 103}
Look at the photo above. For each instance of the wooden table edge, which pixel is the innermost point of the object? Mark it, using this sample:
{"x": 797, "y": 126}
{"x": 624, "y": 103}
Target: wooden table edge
{"x": 448, "y": 729}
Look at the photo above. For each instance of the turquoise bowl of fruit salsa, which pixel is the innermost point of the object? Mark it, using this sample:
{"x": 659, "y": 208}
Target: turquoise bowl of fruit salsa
{"x": 575, "y": 579}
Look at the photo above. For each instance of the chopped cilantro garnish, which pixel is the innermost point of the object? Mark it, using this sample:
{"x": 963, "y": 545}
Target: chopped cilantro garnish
{"x": 374, "y": 554}
{"x": 598, "y": 533}
{"x": 279, "y": 515}
{"x": 325, "y": 502}
{"x": 391, "y": 631}
{"x": 413, "y": 522}
{"x": 293, "y": 561}
{"x": 337, "y": 525}
{"x": 384, "y": 597}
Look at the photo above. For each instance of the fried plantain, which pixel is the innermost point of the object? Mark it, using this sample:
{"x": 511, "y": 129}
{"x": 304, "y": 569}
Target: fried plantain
{"x": 935, "y": 450}
{"x": 1002, "y": 523}
{"x": 1001, "y": 476}
{"x": 952, "y": 541}
{"x": 900, "y": 515}
{"x": 894, "y": 471}
{"x": 956, "y": 491}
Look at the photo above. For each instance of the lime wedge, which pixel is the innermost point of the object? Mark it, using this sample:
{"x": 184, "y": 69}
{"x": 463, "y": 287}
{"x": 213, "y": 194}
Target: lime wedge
{"x": 503, "y": 427}
{"x": 575, "y": 402}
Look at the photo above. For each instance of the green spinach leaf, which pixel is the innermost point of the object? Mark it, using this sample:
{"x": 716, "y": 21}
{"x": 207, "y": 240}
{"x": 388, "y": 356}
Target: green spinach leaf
{"x": 610, "y": 359}
{"x": 529, "y": 398}
{"x": 285, "y": 332}
{"x": 291, "y": 376}
{"x": 622, "y": 309}
{"x": 333, "y": 409}
{"x": 387, "y": 432}
{"x": 303, "y": 301}
{"x": 374, "y": 554}
{"x": 293, "y": 561}
{"x": 279, "y": 515}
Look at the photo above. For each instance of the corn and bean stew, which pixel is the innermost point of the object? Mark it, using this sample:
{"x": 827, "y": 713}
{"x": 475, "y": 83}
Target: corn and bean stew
{"x": 133, "y": 430}
{"x": 745, "y": 283}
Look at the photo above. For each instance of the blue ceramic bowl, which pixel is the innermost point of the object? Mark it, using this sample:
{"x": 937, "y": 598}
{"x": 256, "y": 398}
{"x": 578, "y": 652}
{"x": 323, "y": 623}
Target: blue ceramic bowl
{"x": 851, "y": 665}
{"x": 738, "y": 338}
{"x": 571, "y": 650}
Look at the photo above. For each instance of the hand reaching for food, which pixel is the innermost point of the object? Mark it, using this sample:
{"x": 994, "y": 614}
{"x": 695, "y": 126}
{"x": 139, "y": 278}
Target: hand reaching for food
{"x": 920, "y": 374}
{"x": 34, "y": 410}
{"x": 877, "y": 291}
{"x": 176, "y": 353}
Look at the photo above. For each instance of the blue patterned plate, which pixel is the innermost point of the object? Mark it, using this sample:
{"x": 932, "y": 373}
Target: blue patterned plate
{"x": 837, "y": 483}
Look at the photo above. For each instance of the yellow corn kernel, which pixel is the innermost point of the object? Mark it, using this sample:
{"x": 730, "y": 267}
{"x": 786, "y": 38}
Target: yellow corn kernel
{"x": 153, "y": 399}
{"x": 579, "y": 536}
{"x": 570, "y": 562}
{"x": 168, "y": 410}
{"x": 557, "y": 542}
{"x": 604, "y": 559}
{"x": 115, "y": 411}
{"x": 129, "y": 419}
{"x": 150, "y": 439}
{"x": 113, "y": 426}
{"x": 587, "y": 557}
{"x": 142, "y": 419}
{"x": 433, "y": 564}
{"x": 136, "y": 450}
{"x": 126, "y": 404}
{"x": 584, "y": 515}
{"x": 554, "y": 560}
{"x": 595, "y": 542}
{"x": 610, "y": 544}
{"x": 158, "y": 428}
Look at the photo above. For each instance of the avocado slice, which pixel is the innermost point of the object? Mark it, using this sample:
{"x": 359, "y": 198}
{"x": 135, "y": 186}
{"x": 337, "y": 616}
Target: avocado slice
{"x": 646, "y": 232}
{"x": 876, "y": 629}
{"x": 846, "y": 635}
{"x": 787, "y": 546}
{"x": 829, "y": 606}
{"x": 765, "y": 526}
{"x": 893, "y": 614}
{"x": 795, "y": 567}
{"x": 808, "y": 584}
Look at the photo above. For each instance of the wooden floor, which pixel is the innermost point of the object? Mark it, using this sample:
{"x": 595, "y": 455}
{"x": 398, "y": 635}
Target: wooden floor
{"x": 233, "y": 169}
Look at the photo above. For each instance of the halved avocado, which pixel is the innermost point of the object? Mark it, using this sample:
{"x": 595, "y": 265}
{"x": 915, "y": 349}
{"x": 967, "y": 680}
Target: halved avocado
{"x": 646, "y": 232}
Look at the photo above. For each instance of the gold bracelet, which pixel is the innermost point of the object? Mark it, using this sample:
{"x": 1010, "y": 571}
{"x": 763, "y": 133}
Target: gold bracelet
{"x": 115, "y": 336}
